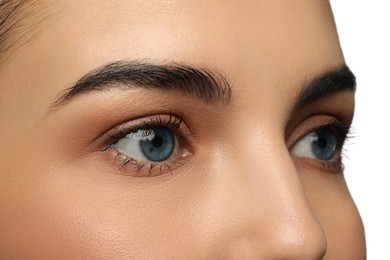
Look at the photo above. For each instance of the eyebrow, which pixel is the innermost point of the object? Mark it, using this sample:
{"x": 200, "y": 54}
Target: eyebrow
{"x": 207, "y": 85}
{"x": 326, "y": 84}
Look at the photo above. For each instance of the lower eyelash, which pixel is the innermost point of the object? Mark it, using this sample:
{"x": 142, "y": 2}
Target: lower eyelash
{"x": 334, "y": 166}
{"x": 127, "y": 164}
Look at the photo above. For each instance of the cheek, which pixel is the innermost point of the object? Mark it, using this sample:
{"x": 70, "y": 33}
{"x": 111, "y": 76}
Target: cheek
{"x": 52, "y": 204}
{"x": 83, "y": 210}
{"x": 336, "y": 211}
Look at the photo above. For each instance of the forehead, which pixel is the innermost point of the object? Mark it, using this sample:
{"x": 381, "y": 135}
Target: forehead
{"x": 257, "y": 44}
{"x": 269, "y": 32}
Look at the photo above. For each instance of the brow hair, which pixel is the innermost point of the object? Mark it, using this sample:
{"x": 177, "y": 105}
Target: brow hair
{"x": 205, "y": 84}
{"x": 326, "y": 84}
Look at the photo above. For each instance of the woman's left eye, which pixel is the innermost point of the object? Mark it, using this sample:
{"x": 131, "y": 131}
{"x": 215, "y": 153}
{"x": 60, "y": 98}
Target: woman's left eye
{"x": 155, "y": 144}
{"x": 321, "y": 144}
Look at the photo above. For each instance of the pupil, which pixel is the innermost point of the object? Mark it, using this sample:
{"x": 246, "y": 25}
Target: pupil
{"x": 322, "y": 143}
{"x": 325, "y": 147}
{"x": 157, "y": 141}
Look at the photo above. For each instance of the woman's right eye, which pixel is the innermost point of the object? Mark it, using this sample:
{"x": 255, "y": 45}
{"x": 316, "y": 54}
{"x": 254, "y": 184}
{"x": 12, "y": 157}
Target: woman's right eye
{"x": 156, "y": 144}
{"x": 152, "y": 145}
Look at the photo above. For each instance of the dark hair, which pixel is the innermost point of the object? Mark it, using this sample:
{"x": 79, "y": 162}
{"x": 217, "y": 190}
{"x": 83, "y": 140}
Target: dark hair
{"x": 8, "y": 23}
{"x": 16, "y": 22}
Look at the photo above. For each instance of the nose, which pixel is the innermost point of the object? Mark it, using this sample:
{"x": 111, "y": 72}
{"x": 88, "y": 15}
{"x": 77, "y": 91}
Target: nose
{"x": 274, "y": 218}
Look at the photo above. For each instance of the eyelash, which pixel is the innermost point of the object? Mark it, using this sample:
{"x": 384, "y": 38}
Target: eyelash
{"x": 147, "y": 169}
{"x": 341, "y": 129}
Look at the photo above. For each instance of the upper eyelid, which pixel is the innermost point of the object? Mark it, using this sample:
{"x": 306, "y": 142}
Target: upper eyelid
{"x": 102, "y": 138}
{"x": 150, "y": 121}
{"x": 338, "y": 105}
{"x": 315, "y": 123}
{"x": 169, "y": 120}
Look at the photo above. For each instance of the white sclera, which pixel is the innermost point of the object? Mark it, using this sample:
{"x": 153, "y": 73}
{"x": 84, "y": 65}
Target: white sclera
{"x": 130, "y": 145}
{"x": 303, "y": 148}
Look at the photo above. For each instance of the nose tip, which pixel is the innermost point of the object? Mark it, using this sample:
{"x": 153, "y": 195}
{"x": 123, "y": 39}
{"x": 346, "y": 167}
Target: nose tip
{"x": 282, "y": 237}
{"x": 301, "y": 238}
{"x": 293, "y": 231}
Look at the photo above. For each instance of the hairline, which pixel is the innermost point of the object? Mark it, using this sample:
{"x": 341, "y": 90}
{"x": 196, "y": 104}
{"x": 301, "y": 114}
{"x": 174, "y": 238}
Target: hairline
{"x": 19, "y": 20}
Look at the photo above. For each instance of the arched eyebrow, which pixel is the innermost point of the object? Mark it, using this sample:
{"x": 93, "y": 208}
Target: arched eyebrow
{"x": 326, "y": 84}
{"x": 206, "y": 85}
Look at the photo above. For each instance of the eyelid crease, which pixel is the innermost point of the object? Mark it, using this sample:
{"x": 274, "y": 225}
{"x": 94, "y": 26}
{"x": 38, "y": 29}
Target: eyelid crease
{"x": 148, "y": 122}
{"x": 315, "y": 123}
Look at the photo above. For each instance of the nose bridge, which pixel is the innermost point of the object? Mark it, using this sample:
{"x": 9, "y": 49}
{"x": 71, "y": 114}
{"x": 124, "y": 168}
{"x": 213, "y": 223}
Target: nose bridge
{"x": 277, "y": 210}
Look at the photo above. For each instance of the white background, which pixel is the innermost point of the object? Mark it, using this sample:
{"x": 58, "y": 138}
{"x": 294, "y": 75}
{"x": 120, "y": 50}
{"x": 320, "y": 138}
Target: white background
{"x": 364, "y": 31}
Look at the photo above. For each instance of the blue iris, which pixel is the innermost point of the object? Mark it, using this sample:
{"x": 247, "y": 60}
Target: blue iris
{"x": 161, "y": 147}
{"x": 325, "y": 147}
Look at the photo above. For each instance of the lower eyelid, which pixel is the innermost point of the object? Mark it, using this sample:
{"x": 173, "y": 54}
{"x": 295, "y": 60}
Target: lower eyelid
{"x": 334, "y": 166}
{"x": 125, "y": 165}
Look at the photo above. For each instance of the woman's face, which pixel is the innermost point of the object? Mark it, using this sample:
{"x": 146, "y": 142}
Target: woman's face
{"x": 176, "y": 129}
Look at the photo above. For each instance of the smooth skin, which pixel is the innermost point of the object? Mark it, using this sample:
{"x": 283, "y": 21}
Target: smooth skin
{"x": 241, "y": 193}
